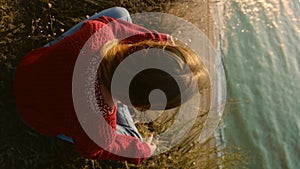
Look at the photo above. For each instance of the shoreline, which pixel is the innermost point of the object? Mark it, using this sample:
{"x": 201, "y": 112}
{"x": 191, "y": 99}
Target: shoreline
{"x": 218, "y": 11}
{"x": 219, "y": 136}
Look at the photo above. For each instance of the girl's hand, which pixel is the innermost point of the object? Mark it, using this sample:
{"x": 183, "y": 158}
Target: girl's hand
{"x": 151, "y": 144}
{"x": 171, "y": 39}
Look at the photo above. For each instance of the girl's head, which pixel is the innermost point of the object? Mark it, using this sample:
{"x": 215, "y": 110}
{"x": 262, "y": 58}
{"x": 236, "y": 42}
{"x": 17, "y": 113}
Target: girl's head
{"x": 184, "y": 65}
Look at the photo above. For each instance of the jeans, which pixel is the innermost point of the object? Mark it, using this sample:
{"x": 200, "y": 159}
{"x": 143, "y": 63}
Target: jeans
{"x": 125, "y": 124}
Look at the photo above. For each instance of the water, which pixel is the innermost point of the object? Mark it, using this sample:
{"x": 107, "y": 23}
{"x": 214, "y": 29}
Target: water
{"x": 261, "y": 55}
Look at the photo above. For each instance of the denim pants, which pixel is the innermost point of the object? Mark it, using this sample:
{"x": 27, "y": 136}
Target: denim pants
{"x": 125, "y": 124}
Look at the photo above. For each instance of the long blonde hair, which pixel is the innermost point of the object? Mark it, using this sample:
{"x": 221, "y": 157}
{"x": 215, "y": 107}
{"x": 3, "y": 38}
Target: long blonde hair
{"x": 114, "y": 52}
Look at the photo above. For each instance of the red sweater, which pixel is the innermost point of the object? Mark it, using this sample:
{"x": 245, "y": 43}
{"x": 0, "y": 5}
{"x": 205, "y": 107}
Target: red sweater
{"x": 43, "y": 90}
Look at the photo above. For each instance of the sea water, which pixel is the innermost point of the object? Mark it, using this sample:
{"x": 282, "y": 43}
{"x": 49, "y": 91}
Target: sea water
{"x": 261, "y": 56}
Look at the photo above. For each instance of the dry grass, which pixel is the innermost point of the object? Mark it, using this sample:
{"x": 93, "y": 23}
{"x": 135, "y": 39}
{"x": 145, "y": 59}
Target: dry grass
{"x": 25, "y": 25}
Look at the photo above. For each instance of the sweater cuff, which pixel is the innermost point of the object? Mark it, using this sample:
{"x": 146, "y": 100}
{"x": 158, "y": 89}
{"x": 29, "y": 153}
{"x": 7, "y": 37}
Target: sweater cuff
{"x": 165, "y": 37}
{"x": 146, "y": 151}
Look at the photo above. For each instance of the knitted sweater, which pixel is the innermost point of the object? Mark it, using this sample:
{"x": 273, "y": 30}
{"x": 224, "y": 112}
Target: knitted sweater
{"x": 43, "y": 90}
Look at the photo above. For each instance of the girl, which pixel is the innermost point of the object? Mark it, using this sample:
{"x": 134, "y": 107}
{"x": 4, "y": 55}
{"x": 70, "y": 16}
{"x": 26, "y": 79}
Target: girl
{"x": 43, "y": 85}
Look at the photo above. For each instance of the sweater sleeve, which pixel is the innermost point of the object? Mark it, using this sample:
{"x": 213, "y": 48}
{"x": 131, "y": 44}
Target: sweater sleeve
{"x": 92, "y": 36}
{"x": 131, "y": 33}
{"x": 103, "y": 143}
{"x": 95, "y": 33}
